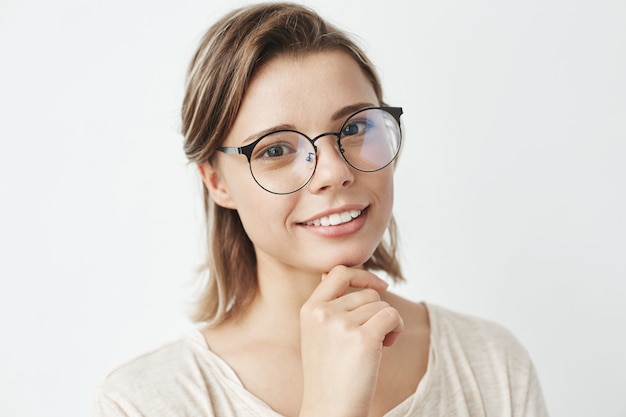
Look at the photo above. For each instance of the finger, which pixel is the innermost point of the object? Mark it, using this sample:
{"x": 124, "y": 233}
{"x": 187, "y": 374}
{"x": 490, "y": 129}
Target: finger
{"x": 340, "y": 278}
{"x": 386, "y": 321}
{"x": 364, "y": 313}
{"x": 358, "y": 298}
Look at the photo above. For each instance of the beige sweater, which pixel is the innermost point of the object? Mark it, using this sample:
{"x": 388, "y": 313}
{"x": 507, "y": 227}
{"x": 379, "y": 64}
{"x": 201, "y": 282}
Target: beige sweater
{"x": 475, "y": 368}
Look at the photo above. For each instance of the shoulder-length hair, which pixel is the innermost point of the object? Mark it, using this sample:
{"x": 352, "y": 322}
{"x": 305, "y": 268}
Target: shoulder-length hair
{"x": 228, "y": 56}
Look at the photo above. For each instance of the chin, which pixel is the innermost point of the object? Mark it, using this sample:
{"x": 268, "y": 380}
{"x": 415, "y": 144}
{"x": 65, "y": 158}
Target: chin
{"x": 349, "y": 261}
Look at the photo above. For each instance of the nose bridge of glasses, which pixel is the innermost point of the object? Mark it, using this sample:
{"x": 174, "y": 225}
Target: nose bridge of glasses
{"x": 322, "y": 135}
{"x": 332, "y": 151}
{"x": 316, "y": 138}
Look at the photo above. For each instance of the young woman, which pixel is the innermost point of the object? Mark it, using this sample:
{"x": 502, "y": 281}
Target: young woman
{"x": 284, "y": 117}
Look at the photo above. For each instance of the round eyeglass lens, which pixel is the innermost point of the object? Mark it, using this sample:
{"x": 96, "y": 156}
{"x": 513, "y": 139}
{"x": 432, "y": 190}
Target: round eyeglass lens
{"x": 283, "y": 162}
{"x": 370, "y": 139}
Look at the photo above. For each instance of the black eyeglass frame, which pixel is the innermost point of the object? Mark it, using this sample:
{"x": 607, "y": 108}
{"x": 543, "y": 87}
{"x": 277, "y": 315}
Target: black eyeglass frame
{"x": 247, "y": 150}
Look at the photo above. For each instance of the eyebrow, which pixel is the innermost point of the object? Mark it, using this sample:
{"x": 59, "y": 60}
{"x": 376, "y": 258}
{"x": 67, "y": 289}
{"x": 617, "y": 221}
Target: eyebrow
{"x": 264, "y": 132}
{"x": 348, "y": 110}
{"x": 339, "y": 114}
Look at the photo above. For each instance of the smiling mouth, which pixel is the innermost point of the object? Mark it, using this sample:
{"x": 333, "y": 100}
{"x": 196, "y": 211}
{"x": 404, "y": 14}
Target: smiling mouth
{"x": 335, "y": 218}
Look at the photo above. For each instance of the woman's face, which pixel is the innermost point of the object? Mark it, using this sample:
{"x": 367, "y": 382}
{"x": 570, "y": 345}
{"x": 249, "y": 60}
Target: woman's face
{"x": 312, "y": 94}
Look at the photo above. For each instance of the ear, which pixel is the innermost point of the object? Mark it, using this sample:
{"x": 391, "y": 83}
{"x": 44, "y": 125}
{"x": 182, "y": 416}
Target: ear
{"x": 215, "y": 185}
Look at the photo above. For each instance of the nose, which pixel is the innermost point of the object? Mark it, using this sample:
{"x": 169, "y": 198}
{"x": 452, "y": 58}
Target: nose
{"x": 331, "y": 171}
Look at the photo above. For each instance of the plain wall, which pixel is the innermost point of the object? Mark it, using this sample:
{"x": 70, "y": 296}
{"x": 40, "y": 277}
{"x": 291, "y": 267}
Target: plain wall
{"x": 509, "y": 195}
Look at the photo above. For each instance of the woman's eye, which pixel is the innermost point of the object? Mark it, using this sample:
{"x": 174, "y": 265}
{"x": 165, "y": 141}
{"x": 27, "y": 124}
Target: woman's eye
{"x": 357, "y": 127}
{"x": 274, "y": 151}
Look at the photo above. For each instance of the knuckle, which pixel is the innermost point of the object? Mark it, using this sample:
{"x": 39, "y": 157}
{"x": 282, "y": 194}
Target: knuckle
{"x": 387, "y": 315}
{"x": 395, "y": 318}
{"x": 392, "y": 312}
{"x": 342, "y": 326}
{"x": 318, "y": 313}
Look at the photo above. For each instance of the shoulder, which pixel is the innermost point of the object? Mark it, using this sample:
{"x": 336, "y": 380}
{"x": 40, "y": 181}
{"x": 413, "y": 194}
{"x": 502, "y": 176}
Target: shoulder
{"x": 486, "y": 362}
{"x": 483, "y": 360}
{"x": 164, "y": 380}
{"x": 475, "y": 336}
{"x": 153, "y": 366}
{"x": 457, "y": 332}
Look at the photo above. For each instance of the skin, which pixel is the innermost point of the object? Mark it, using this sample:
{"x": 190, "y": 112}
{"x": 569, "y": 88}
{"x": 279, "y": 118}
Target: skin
{"x": 329, "y": 333}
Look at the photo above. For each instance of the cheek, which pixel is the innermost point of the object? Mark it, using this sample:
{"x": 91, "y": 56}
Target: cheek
{"x": 262, "y": 214}
{"x": 384, "y": 183}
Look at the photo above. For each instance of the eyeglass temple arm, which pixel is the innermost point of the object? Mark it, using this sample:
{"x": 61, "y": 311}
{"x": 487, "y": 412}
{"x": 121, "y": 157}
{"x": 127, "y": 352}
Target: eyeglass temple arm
{"x": 230, "y": 150}
{"x": 396, "y": 112}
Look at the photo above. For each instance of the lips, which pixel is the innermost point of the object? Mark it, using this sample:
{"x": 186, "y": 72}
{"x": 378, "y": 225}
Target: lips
{"x": 336, "y": 223}
{"x": 335, "y": 219}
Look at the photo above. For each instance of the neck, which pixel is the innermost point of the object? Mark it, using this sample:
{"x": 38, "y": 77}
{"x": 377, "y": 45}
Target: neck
{"x": 276, "y": 306}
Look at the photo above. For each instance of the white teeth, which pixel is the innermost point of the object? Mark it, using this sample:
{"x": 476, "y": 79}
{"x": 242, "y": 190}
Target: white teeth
{"x": 335, "y": 218}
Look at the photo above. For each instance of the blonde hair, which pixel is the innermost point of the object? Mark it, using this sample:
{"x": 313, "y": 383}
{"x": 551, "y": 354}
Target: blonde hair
{"x": 228, "y": 56}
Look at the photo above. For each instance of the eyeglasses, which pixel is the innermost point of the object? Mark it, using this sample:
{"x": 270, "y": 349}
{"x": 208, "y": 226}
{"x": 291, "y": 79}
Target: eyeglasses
{"x": 284, "y": 161}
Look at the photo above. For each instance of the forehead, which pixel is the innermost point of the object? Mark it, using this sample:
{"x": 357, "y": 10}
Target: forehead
{"x": 307, "y": 75}
{"x": 303, "y": 91}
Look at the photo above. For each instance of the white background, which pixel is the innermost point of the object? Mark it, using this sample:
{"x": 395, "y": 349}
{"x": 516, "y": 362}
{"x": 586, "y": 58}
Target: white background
{"x": 510, "y": 190}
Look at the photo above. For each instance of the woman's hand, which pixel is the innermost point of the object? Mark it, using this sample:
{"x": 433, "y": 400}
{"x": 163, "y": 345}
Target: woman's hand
{"x": 343, "y": 334}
